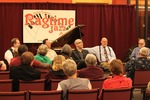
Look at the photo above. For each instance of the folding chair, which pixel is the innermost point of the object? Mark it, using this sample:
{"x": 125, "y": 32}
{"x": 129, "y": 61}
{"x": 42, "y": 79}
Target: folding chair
{"x": 20, "y": 95}
{"x": 83, "y": 94}
{"x": 54, "y": 83}
{"x": 97, "y": 83}
{"x": 6, "y": 85}
{"x": 35, "y": 85}
{"x": 141, "y": 79}
{"x": 116, "y": 94}
{"x": 45, "y": 95}
{"x": 4, "y": 75}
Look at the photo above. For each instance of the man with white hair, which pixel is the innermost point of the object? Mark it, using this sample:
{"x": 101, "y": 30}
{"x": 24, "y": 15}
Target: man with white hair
{"x": 104, "y": 53}
{"x": 134, "y": 54}
{"x": 143, "y": 62}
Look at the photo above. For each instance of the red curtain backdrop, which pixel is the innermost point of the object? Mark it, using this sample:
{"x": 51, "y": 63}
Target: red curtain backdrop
{"x": 116, "y": 22}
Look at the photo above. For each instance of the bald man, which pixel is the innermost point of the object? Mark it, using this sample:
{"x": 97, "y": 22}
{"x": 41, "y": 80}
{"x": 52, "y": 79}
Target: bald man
{"x": 79, "y": 54}
{"x": 104, "y": 53}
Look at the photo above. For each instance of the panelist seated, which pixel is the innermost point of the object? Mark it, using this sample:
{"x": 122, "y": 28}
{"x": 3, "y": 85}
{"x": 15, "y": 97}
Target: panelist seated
{"x": 79, "y": 54}
{"x": 104, "y": 53}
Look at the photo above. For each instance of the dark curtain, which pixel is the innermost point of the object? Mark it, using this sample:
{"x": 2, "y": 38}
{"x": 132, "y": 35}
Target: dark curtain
{"x": 116, "y": 22}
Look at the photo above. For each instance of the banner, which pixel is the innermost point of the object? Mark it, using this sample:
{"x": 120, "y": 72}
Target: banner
{"x": 42, "y": 24}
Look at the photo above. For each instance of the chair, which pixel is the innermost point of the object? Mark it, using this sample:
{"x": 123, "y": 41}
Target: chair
{"x": 83, "y": 94}
{"x": 6, "y": 85}
{"x": 35, "y": 85}
{"x": 43, "y": 72}
{"x": 20, "y": 95}
{"x": 147, "y": 95}
{"x": 45, "y": 95}
{"x": 4, "y": 75}
{"x": 97, "y": 83}
{"x": 54, "y": 83}
{"x": 141, "y": 79}
{"x": 116, "y": 94}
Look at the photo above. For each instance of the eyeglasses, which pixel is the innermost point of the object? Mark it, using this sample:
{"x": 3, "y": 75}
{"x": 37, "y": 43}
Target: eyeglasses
{"x": 141, "y": 43}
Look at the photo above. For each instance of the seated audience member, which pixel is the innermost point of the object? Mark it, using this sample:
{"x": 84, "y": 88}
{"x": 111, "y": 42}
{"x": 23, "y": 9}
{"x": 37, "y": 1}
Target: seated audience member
{"x": 41, "y": 54}
{"x": 104, "y": 53}
{"x": 51, "y": 53}
{"x": 16, "y": 61}
{"x": 79, "y": 54}
{"x": 56, "y": 71}
{"x": 2, "y": 66}
{"x": 10, "y": 53}
{"x": 117, "y": 80}
{"x": 143, "y": 62}
{"x": 25, "y": 71}
{"x": 91, "y": 71}
{"x": 72, "y": 83}
{"x": 66, "y": 51}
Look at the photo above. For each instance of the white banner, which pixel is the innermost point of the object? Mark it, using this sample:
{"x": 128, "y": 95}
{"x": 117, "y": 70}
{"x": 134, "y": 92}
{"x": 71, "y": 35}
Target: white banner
{"x": 42, "y": 24}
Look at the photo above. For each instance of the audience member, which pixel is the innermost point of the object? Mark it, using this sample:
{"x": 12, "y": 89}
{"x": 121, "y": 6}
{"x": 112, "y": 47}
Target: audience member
{"x": 66, "y": 51}
{"x": 2, "y": 66}
{"x": 51, "y": 53}
{"x": 41, "y": 54}
{"x": 70, "y": 69}
{"x": 25, "y": 71}
{"x": 104, "y": 53}
{"x": 117, "y": 80}
{"x": 16, "y": 61}
{"x": 56, "y": 71}
{"x": 91, "y": 71}
{"x": 135, "y": 52}
{"x": 143, "y": 62}
{"x": 79, "y": 54}
{"x": 10, "y": 53}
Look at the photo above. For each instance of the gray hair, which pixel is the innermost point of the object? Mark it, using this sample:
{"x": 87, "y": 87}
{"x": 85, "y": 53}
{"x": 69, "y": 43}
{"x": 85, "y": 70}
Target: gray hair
{"x": 90, "y": 60}
{"x": 144, "y": 51}
{"x": 69, "y": 67}
{"x": 42, "y": 50}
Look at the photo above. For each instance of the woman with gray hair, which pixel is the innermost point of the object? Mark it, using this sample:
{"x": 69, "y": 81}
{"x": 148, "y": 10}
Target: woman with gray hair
{"x": 41, "y": 54}
{"x": 91, "y": 71}
{"x": 70, "y": 70}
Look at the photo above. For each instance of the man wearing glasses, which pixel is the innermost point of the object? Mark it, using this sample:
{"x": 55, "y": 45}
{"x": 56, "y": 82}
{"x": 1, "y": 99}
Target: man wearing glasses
{"x": 134, "y": 54}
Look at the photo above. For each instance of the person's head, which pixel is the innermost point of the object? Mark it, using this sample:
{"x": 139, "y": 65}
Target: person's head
{"x": 66, "y": 51}
{"x": 141, "y": 43}
{"x": 78, "y": 43}
{"x": 104, "y": 41}
{"x": 21, "y": 49}
{"x": 47, "y": 43}
{"x": 15, "y": 42}
{"x": 69, "y": 67}
{"x": 116, "y": 67}
{"x": 27, "y": 58}
{"x": 90, "y": 60}
{"x": 42, "y": 50}
{"x": 57, "y": 62}
{"x": 144, "y": 52}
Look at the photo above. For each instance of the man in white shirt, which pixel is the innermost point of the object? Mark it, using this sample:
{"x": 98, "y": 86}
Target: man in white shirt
{"x": 51, "y": 53}
{"x": 10, "y": 53}
{"x": 104, "y": 53}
